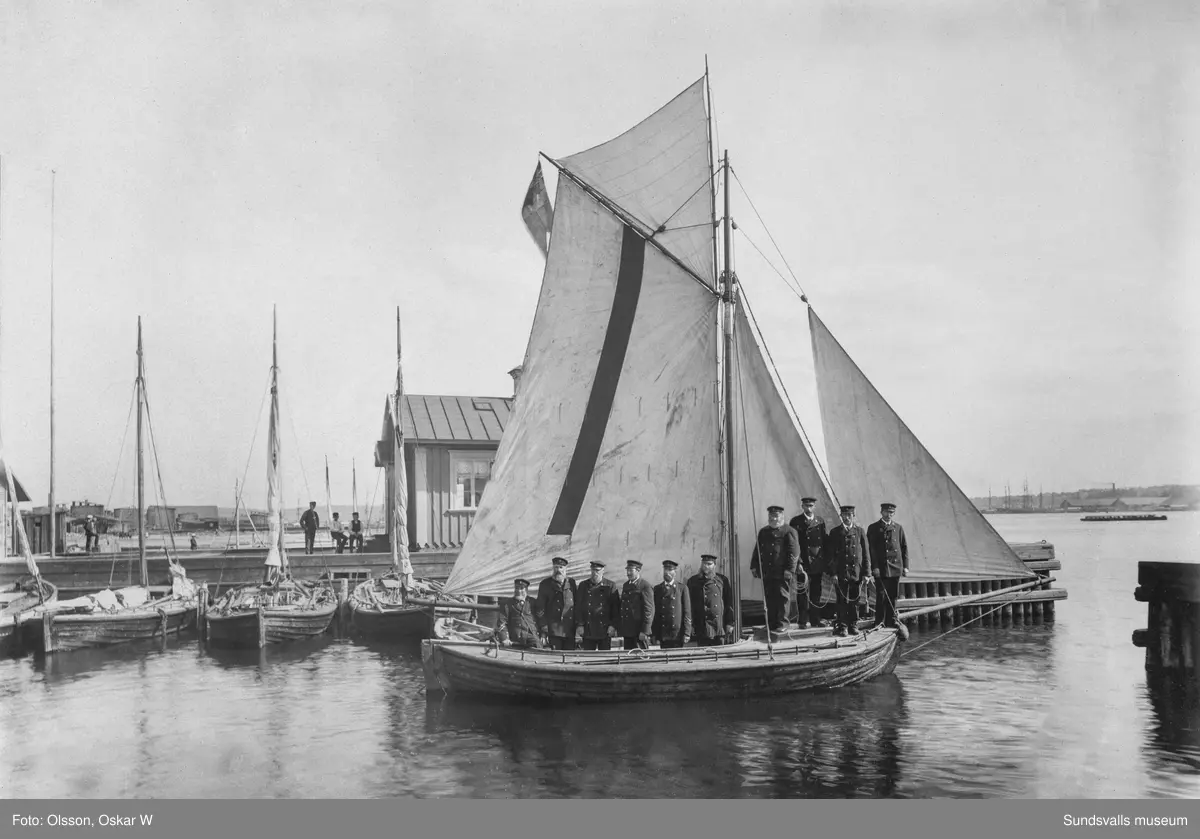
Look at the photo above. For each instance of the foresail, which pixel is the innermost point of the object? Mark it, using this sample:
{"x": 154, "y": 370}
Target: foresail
{"x": 659, "y": 173}
{"x": 612, "y": 449}
{"x": 13, "y": 496}
{"x": 874, "y": 457}
{"x": 274, "y": 486}
{"x": 774, "y": 465}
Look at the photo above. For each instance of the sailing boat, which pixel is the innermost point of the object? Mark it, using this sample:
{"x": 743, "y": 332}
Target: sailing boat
{"x": 24, "y": 594}
{"x": 129, "y": 614}
{"x": 383, "y": 606}
{"x": 282, "y": 609}
{"x": 623, "y": 445}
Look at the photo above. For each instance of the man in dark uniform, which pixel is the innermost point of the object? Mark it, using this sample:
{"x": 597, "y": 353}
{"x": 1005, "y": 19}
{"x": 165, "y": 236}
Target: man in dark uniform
{"x": 91, "y": 540}
{"x": 555, "y": 608}
{"x": 672, "y": 610}
{"x": 810, "y": 530}
{"x": 596, "y": 606}
{"x": 310, "y": 521}
{"x": 849, "y": 558}
{"x": 637, "y": 608}
{"x": 889, "y": 562}
{"x": 356, "y": 533}
{"x": 711, "y": 598}
{"x": 516, "y": 625}
{"x": 776, "y": 552}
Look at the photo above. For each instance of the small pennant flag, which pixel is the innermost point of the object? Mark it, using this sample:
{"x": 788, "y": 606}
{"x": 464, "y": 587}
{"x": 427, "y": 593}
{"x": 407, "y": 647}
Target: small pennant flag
{"x": 537, "y": 212}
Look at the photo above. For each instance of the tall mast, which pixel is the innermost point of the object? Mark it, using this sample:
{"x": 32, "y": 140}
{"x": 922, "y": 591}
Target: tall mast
{"x": 730, "y": 301}
{"x": 275, "y": 413}
{"x": 237, "y": 516}
{"x": 141, "y": 491}
{"x": 53, "y": 523}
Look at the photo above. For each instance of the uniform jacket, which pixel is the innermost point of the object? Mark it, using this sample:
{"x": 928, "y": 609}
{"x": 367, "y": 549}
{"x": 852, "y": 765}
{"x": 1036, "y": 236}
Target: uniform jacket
{"x": 637, "y": 609}
{"x": 889, "y": 548}
{"x": 554, "y": 607}
{"x": 672, "y": 612}
{"x": 712, "y": 605}
{"x": 516, "y": 621}
{"x": 847, "y": 554}
{"x": 310, "y": 520}
{"x": 776, "y": 552}
{"x": 811, "y": 535}
{"x": 597, "y": 606}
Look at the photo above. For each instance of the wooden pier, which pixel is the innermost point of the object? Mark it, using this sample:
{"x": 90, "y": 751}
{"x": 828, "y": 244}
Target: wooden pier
{"x": 1171, "y": 591}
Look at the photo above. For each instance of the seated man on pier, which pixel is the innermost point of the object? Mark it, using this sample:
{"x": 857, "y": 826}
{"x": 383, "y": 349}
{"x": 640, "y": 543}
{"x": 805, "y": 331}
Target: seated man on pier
{"x": 356, "y": 534}
{"x": 516, "y": 625}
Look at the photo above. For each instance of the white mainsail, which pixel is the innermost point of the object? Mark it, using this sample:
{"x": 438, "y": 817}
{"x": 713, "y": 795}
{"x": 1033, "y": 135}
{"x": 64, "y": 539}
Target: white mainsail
{"x": 612, "y": 450}
{"x": 774, "y": 464}
{"x": 658, "y": 172}
{"x": 400, "y": 558}
{"x": 874, "y": 457}
{"x": 275, "y": 556}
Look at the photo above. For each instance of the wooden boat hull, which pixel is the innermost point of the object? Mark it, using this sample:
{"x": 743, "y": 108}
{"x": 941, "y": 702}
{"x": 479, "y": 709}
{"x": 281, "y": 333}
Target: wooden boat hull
{"x": 744, "y": 670}
{"x": 374, "y": 617}
{"x": 13, "y": 607}
{"x": 250, "y": 628}
{"x": 394, "y": 622}
{"x": 51, "y": 632}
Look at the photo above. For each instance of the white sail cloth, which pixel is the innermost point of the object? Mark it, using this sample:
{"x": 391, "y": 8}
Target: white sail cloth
{"x": 658, "y": 173}
{"x": 274, "y": 486}
{"x": 615, "y": 319}
{"x": 773, "y": 463}
{"x": 874, "y": 457}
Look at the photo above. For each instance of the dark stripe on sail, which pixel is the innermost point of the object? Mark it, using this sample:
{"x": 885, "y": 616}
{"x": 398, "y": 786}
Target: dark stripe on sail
{"x": 604, "y": 388}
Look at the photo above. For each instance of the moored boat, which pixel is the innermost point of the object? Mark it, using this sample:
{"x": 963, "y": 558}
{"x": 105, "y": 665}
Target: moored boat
{"x": 281, "y": 609}
{"x": 383, "y": 607}
{"x": 250, "y": 617}
{"x": 651, "y": 425}
{"x": 128, "y": 614}
{"x": 15, "y": 603}
{"x": 746, "y": 669}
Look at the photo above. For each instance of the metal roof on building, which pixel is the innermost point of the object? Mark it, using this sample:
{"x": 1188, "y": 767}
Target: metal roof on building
{"x": 452, "y": 419}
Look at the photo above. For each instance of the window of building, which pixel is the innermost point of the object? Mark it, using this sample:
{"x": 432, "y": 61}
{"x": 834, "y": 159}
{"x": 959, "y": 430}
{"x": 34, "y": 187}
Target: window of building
{"x": 471, "y": 471}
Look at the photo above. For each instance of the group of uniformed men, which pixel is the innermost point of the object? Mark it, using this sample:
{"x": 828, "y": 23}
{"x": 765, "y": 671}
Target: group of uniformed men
{"x": 591, "y": 614}
{"x": 594, "y": 612}
{"x": 799, "y": 555}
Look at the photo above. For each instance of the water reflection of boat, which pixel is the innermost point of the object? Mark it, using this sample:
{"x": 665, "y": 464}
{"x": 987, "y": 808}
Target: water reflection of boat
{"x": 841, "y": 744}
{"x": 237, "y": 658}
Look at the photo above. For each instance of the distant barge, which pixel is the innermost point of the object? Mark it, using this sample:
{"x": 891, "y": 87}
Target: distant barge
{"x": 1127, "y": 517}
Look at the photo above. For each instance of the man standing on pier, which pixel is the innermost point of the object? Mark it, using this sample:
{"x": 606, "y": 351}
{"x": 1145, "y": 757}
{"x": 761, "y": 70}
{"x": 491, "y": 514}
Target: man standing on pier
{"x": 310, "y": 521}
{"x": 90, "y": 539}
{"x": 711, "y": 598}
{"x": 637, "y": 608}
{"x": 776, "y": 552}
{"x": 810, "y": 530}
{"x": 889, "y": 562}
{"x": 555, "y": 608}
{"x": 596, "y": 606}
{"x": 849, "y": 558}
{"x": 356, "y": 536}
{"x": 672, "y": 624}
{"x": 515, "y": 625}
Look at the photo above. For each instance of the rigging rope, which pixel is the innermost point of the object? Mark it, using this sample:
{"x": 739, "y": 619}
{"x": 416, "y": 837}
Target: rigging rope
{"x": 121, "y": 451}
{"x": 737, "y": 364}
{"x": 793, "y": 289}
{"x": 374, "y": 492}
{"x": 750, "y": 201}
{"x": 254, "y": 438}
{"x": 980, "y": 616}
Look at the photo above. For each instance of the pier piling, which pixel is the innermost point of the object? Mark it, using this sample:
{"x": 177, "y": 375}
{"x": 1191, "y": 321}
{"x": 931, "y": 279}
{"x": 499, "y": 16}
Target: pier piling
{"x": 1171, "y": 591}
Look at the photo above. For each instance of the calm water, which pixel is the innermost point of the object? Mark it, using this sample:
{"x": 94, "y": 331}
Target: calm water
{"x": 1060, "y": 709}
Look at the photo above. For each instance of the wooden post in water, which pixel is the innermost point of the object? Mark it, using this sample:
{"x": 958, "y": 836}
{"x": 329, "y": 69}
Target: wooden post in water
{"x": 1171, "y": 591}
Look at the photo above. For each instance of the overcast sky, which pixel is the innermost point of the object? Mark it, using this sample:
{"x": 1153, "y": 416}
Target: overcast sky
{"x": 993, "y": 206}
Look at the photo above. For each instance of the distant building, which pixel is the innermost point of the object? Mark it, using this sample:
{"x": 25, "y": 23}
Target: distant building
{"x": 1089, "y": 504}
{"x": 450, "y": 445}
{"x": 1129, "y": 502}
